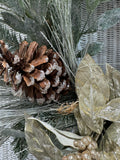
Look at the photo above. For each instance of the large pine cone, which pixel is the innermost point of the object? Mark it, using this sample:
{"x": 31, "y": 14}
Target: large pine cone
{"x": 38, "y": 73}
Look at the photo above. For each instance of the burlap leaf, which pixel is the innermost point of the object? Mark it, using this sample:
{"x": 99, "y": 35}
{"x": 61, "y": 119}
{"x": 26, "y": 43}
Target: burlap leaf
{"x": 93, "y": 92}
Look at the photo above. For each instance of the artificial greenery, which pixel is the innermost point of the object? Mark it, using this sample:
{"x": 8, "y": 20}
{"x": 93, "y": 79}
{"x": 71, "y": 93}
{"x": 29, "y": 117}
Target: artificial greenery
{"x": 60, "y": 25}
{"x": 62, "y": 122}
{"x": 19, "y": 143}
{"x": 98, "y": 101}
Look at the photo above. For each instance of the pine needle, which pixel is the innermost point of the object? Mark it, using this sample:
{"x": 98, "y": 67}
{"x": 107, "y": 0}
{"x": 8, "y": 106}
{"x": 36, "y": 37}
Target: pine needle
{"x": 61, "y": 31}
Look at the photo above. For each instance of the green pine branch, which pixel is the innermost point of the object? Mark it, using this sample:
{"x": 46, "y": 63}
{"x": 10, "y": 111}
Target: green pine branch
{"x": 11, "y": 37}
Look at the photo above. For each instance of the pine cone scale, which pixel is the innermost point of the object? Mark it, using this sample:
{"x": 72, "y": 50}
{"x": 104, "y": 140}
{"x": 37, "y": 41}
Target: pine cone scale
{"x": 28, "y": 68}
{"x": 38, "y": 61}
{"x": 22, "y": 49}
{"x": 6, "y": 77}
{"x": 41, "y": 51}
{"x": 17, "y": 78}
{"x": 55, "y": 81}
{"x": 39, "y": 75}
{"x": 30, "y": 93}
{"x": 29, "y": 80}
{"x": 30, "y": 51}
{"x": 45, "y": 84}
{"x": 39, "y": 97}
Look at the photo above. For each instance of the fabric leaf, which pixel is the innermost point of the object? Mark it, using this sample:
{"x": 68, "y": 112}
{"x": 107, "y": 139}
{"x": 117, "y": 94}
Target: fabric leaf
{"x": 13, "y": 5}
{"x": 110, "y": 155}
{"x": 76, "y": 20}
{"x": 37, "y": 9}
{"x": 64, "y": 137}
{"x": 111, "y": 111}
{"x": 93, "y": 49}
{"x": 111, "y": 143}
{"x": 93, "y": 92}
{"x": 13, "y": 21}
{"x": 92, "y": 4}
{"x": 39, "y": 143}
{"x": 84, "y": 130}
{"x": 30, "y": 21}
{"x": 108, "y": 19}
{"x": 113, "y": 77}
{"x": 113, "y": 133}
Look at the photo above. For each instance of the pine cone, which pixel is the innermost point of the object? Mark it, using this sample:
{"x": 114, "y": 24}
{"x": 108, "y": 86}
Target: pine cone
{"x": 36, "y": 72}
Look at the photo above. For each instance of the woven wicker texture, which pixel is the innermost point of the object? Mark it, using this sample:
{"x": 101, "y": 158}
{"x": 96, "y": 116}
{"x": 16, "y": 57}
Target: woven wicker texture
{"x": 110, "y": 38}
{"x": 6, "y": 152}
{"x": 110, "y": 54}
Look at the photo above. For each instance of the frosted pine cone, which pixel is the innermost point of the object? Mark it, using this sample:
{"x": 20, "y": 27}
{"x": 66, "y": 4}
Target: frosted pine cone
{"x": 37, "y": 73}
